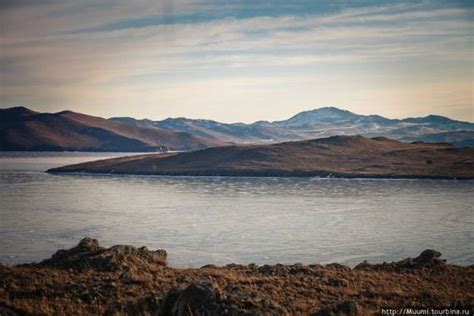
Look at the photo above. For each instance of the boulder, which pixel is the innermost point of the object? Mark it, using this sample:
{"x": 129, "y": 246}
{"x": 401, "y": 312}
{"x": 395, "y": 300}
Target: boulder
{"x": 198, "y": 299}
{"x": 88, "y": 254}
{"x": 347, "y": 308}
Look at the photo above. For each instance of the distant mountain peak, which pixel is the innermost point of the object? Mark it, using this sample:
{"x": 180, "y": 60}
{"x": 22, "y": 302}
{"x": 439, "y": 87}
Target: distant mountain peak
{"x": 320, "y": 115}
{"x": 327, "y": 110}
{"x": 66, "y": 112}
{"x": 10, "y": 115}
{"x": 19, "y": 110}
{"x": 430, "y": 119}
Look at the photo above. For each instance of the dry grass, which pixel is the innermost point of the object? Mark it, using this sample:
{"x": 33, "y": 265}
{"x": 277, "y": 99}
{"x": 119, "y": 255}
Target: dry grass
{"x": 340, "y": 156}
{"x": 89, "y": 279}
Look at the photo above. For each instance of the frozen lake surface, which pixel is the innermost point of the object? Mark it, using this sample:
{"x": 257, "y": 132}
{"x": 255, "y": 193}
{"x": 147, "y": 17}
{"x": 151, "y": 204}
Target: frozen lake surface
{"x": 218, "y": 220}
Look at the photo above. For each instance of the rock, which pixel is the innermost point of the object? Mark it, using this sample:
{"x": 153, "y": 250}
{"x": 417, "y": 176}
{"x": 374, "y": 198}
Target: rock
{"x": 130, "y": 277}
{"x": 195, "y": 300}
{"x": 338, "y": 267}
{"x": 89, "y": 255}
{"x": 363, "y": 265}
{"x": 347, "y": 308}
{"x": 7, "y": 312}
{"x": 88, "y": 244}
{"x": 428, "y": 255}
{"x": 277, "y": 269}
{"x": 428, "y": 258}
{"x": 208, "y": 266}
{"x": 336, "y": 282}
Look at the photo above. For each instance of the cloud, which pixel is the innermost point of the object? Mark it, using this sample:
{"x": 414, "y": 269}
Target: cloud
{"x": 68, "y": 50}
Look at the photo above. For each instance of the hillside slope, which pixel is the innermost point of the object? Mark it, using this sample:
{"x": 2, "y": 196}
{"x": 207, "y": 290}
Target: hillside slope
{"x": 123, "y": 280}
{"x": 456, "y": 138}
{"x": 22, "y": 129}
{"x": 339, "y": 156}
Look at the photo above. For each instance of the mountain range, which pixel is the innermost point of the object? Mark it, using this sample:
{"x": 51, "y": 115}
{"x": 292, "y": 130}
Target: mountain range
{"x": 24, "y": 129}
{"x": 322, "y": 122}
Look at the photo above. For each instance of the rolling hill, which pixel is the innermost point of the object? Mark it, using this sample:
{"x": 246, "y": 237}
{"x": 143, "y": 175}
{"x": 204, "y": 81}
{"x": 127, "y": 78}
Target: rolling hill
{"x": 456, "y": 138}
{"x": 337, "y": 156}
{"x": 22, "y": 129}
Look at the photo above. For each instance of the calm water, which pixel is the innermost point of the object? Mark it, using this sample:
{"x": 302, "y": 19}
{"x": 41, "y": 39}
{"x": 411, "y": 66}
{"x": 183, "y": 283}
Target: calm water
{"x": 223, "y": 220}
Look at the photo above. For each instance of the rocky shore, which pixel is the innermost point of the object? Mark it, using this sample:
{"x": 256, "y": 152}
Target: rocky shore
{"x": 90, "y": 279}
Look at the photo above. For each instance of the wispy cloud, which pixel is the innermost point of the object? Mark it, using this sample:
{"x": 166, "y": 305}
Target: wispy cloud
{"x": 60, "y": 54}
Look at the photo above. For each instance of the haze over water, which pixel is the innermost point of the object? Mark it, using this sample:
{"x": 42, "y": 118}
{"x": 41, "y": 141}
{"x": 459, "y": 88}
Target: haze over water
{"x": 218, "y": 220}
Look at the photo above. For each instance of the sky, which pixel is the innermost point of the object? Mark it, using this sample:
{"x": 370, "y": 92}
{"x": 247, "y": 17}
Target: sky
{"x": 238, "y": 61}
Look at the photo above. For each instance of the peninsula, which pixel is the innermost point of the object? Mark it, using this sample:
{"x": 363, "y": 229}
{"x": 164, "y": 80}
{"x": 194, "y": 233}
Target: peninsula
{"x": 336, "y": 156}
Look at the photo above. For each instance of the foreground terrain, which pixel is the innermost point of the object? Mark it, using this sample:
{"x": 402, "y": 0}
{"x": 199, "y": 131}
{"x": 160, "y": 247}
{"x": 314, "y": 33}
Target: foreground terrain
{"x": 337, "y": 156}
{"x": 90, "y": 279}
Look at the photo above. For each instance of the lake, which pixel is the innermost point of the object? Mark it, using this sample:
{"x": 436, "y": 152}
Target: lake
{"x": 221, "y": 220}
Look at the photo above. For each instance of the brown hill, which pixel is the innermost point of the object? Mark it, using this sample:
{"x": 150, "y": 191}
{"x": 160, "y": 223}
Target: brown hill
{"x": 123, "y": 280}
{"x": 338, "y": 156}
{"x": 23, "y": 129}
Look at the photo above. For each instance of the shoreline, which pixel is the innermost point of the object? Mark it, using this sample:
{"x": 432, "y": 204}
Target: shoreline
{"x": 90, "y": 279}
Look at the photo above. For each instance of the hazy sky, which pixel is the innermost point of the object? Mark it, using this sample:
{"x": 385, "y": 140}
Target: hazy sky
{"x": 238, "y": 60}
